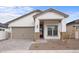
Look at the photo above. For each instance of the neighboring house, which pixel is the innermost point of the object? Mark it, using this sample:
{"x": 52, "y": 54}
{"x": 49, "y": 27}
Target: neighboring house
{"x": 2, "y": 27}
{"x": 37, "y": 25}
{"x": 73, "y": 29}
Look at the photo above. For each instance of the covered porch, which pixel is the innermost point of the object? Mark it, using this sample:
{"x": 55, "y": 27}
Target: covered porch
{"x": 49, "y": 24}
{"x": 48, "y": 29}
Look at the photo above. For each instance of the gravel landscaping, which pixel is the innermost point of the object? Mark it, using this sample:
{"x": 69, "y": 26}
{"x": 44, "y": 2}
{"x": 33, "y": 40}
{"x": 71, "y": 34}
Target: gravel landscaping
{"x": 56, "y": 45}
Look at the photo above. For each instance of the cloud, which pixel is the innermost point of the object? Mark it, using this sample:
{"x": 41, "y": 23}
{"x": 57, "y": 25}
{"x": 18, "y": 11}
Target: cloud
{"x": 15, "y": 9}
{"x": 5, "y": 17}
{"x": 72, "y": 17}
{"x": 10, "y": 13}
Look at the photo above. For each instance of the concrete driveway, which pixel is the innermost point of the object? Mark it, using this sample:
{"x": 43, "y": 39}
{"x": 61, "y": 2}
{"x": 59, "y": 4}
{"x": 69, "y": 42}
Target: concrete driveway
{"x": 14, "y": 44}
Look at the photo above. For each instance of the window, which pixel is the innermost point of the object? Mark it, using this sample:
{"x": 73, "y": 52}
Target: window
{"x": 77, "y": 27}
{"x": 55, "y": 31}
{"x": 52, "y": 30}
{"x": 49, "y": 31}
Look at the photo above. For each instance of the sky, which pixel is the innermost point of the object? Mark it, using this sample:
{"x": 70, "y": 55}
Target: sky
{"x": 8, "y": 13}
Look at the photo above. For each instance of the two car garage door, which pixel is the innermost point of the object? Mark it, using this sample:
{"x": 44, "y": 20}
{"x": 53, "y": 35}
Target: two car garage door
{"x": 23, "y": 33}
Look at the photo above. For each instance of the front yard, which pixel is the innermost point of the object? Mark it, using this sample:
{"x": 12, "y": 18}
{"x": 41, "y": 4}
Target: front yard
{"x": 22, "y": 45}
{"x": 56, "y": 45}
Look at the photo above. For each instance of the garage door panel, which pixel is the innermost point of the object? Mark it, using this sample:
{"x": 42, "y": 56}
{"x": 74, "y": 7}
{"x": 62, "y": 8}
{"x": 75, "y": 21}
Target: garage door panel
{"x": 22, "y": 33}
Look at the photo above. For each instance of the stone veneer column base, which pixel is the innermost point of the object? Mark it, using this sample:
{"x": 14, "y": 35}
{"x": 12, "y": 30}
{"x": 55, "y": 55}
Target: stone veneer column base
{"x": 64, "y": 35}
{"x": 36, "y": 36}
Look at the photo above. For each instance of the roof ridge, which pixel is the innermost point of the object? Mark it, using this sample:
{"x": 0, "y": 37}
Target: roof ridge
{"x": 51, "y": 9}
{"x": 72, "y": 21}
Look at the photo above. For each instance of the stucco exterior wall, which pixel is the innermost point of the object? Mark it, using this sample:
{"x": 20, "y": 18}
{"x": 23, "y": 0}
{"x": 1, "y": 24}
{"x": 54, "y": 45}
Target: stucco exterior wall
{"x": 26, "y": 21}
{"x": 50, "y": 15}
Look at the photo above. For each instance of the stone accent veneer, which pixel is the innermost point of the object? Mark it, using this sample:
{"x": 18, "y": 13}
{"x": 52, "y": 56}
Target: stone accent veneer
{"x": 64, "y": 35}
{"x": 36, "y": 36}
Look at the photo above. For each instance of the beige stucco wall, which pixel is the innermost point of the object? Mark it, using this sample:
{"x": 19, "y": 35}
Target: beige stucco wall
{"x": 50, "y": 15}
{"x": 27, "y": 21}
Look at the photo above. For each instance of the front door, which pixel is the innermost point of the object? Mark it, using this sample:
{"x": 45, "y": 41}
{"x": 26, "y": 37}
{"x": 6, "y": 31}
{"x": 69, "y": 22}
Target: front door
{"x": 41, "y": 31}
{"x": 52, "y": 30}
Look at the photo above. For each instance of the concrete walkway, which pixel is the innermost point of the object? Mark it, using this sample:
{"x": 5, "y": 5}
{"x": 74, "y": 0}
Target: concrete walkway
{"x": 14, "y": 44}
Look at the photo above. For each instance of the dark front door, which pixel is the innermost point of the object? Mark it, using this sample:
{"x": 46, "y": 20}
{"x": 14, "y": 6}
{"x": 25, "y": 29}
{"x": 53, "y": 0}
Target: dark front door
{"x": 41, "y": 31}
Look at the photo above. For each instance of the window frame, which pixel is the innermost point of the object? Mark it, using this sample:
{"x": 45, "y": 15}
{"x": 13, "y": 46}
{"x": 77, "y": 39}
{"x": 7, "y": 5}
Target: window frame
{"x": 52, "y": 26}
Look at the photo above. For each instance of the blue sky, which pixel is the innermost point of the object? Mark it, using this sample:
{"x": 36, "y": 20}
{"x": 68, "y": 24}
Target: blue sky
{"x": 8, "y": 13}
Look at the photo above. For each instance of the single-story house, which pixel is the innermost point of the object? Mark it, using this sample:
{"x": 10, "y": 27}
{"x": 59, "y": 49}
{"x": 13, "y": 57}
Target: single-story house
{"x": 3, "y": 27}
{"x": 38, "y": 24}
{"x": 73, "y": 29}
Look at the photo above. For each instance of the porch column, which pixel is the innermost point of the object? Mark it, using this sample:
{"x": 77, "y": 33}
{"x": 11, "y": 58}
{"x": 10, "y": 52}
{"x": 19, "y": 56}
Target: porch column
{"x": 63, "y": 30}
{"x": 37, "y": 30}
